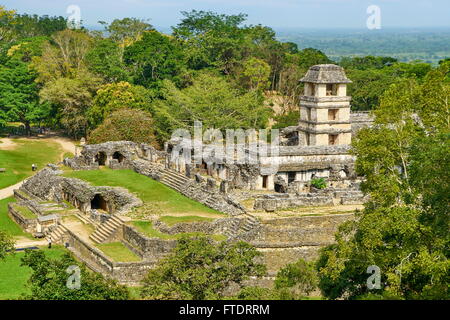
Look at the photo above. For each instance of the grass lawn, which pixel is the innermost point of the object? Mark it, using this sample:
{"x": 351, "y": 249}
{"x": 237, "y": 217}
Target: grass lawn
{"x": 8, "y": 225}
{"x": 18, "y": 161}
{"x": 24, "y": 211}
{"x": 147, "y": 189}
{"x": 14, "y": 277}
{"x": 146, "y": 228}
{"x": 118, "y": 252}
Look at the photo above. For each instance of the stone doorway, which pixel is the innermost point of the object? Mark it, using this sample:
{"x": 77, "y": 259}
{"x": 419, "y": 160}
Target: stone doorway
{"x": 118, "y": 156}
{"x": 99, "y": 203}
{"x": 101, "y": 158}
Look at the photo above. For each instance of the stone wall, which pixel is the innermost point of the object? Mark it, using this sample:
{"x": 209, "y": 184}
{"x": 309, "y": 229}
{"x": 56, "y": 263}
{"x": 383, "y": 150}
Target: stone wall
{"x": 130, "y": 273}
{"x": 285, "y": 240}
{"x": 150, "y": 249}
{"x": 28, "y": 225}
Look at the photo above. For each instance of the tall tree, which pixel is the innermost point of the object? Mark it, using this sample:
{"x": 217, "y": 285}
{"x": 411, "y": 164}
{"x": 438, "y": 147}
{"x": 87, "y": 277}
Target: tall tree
{"x": 154, "y": 58}
{"x": 403, "y": 228}
{"x": 115, "y": 96}
{"x": 212, "y": 100}
{"x": 200, "y": 269}
{"x": 49, "y": 277}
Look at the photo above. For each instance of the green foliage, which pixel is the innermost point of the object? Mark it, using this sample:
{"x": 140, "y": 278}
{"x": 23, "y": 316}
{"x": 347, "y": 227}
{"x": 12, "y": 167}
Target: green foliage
{"x": 115, "y": 96}
{"x": 49, "y": 278}
{"x": 211, "y": 100}
{"x": 106, "y": 60}
{"x": 404, "y": 226}
{"x": 319, "y": 183}
{"x": 255, "y": 74}
{"x": 6, "y": 244}
{"x": 19, "y": 95}
{"x": 153, "y": 58}
{"x": 200, "y": 269}
{"x": 125, "y": 125}
{"x": 300, "y": 276}
{"x": 127, "y": 30}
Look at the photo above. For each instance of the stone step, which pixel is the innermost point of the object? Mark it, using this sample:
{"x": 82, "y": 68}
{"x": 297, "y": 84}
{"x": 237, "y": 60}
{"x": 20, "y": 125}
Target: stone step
{"x": 172, "y": 182}
{"x": 176, "y": 174}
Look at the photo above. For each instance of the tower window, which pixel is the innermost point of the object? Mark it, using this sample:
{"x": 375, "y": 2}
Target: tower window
{"x": 331, "y": 89}
{"x": 332, "y": 139}
{"x": 308, "y": 114}
{"x": 313, "y": 89}
{"x": 333, "y": 114}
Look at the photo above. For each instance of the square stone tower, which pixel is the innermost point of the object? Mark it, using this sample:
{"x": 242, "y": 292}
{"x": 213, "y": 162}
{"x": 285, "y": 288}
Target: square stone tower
{"x": 325, "y": 107}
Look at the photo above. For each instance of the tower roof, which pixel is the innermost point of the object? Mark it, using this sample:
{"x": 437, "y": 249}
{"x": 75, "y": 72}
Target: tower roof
{"x": 325, "y": 73}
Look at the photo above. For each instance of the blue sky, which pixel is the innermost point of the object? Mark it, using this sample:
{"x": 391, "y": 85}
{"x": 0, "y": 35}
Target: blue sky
{"x": 274, "y": 13}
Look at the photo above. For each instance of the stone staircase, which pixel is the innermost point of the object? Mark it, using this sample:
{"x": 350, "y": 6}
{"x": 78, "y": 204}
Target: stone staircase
{"x": 174, "y": 179}
{"x": 106, "y": 229}
{"x": 85, "y": 219}
{"x": 57, "y": 233}
{"x": 236, "y": 228}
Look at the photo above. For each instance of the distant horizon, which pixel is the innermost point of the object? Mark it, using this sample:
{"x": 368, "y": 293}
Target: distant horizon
{"x": 281, "y": 14}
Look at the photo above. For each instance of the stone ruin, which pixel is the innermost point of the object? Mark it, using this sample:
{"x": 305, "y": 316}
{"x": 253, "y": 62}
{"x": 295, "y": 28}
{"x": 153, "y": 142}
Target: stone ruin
{"x": 319, "y": 147}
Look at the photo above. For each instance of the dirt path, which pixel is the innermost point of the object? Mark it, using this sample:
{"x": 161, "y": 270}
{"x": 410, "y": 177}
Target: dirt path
{"x": 8, "y": 144}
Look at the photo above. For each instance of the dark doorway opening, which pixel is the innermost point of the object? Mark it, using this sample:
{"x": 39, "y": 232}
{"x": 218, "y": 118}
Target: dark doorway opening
{"x": 291, "y": 177}
{"x": 264, "y": 182}
{"x": 99, "y": 203}
{"x": 101, "y": 158}
{"x": 118, "y": 156}
{"x": 279, "y": 188}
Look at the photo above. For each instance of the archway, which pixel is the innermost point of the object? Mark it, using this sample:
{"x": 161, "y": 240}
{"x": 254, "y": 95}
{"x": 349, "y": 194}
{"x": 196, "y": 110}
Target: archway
{"x": 101, "y": 158}
{"x": 99, "y": 203}
{"x": 118, "y": 156}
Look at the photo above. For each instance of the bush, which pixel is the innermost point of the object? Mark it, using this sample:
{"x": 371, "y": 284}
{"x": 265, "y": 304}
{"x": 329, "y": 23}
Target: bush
{"x": 319, "y": 183}
{"x": 125, "y": 124}
{"x": 300, "y": 277}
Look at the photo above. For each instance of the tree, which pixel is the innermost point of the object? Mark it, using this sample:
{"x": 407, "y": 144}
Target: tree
{"x": 255, "y": 74}
{"x": 403, "y": 228}
{"x": 6, "y": 245}
{"x": 64, "y": 56}
{"x": 106, "y": 60}
{"x": 126, "y": 124}
{"x": 210, "y": 39}
{"x": 199, "y": 269}
{"x": 115, "y": 96}
{"x": 301, "y": 277}
{"x": 49, "y": 277}
{"x": 154, "y": 58}
{"x": 65, "y": 79}
{"x": 211, "y": 100}
{"x": 19, "y": 94}
{"x": 72, "y": 97}
{"x": 126, "y": 31}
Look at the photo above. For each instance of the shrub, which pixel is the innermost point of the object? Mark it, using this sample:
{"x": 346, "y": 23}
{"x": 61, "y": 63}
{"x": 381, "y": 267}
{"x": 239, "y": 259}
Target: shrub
{"x": 125, "y": 124}
{"x": 319, "y": 183}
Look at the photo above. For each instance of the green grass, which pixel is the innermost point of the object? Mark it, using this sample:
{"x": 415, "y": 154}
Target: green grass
{"x": 14, "y": 277}
{"x": 18, "y": 161}
{"x": 135, "y": 293}
{"x": 146, "y": 228}
{"x": 171, "y": 220}
{"x": 25, "y": 211}
{"x": 6, "y": 224}
{"x": 118, "y": 252}
{"x": 147, "y": 189}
